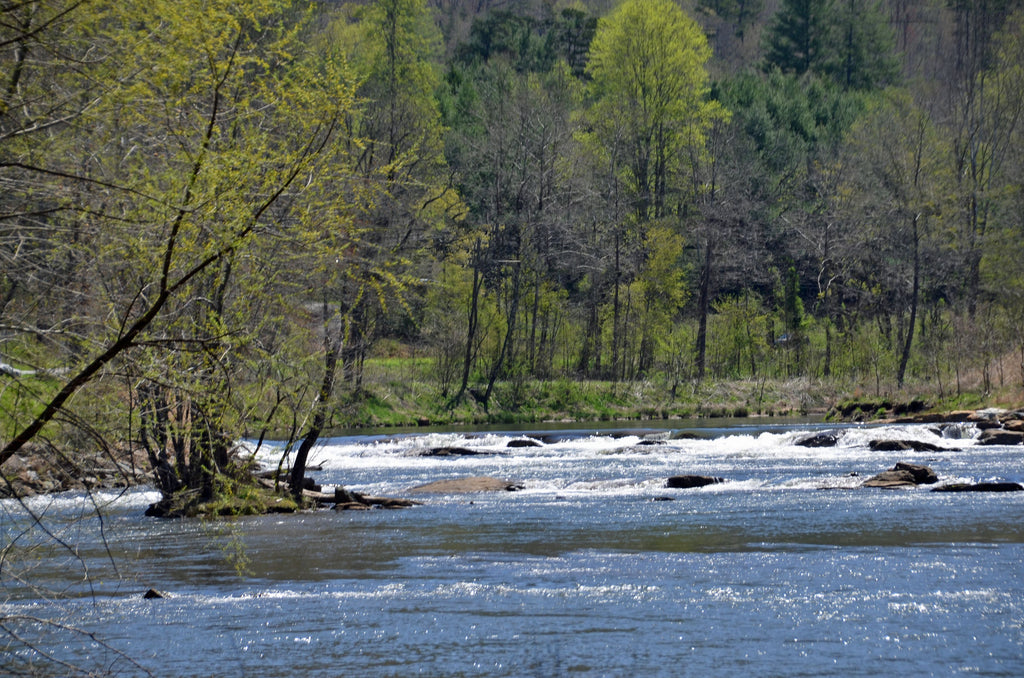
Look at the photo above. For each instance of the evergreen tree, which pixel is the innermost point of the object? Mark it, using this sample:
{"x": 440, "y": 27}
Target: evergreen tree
{"x": 797, "y": 39}
{"x": 862, "y": 53}
{"x": 848, "y": 41}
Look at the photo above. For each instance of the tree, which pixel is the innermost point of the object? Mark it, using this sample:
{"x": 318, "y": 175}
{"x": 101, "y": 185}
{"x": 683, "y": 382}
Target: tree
{"x": 651, "y": 107}
{"x": 1001, "y": 273}
{"x": 797, "y": 39}
{"x": 742, "y": 13}
{"x": 899, "y": 179}
{"x": 842, "y": 39}
{"x": 863, "y": 54}
{"x": 511, "y": 135}
{"x": 648, "y": 127}
{"x": 787, "y": 131}
{"x": 983, "y": 114}
{"x": 169, "y": 173}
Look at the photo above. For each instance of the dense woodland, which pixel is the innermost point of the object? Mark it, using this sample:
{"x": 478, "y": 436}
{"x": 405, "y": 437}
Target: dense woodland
{"x": 216, "y": 216}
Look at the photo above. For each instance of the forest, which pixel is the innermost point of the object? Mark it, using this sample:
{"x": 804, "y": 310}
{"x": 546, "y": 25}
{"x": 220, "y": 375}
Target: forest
{"x": 278, "y": 218}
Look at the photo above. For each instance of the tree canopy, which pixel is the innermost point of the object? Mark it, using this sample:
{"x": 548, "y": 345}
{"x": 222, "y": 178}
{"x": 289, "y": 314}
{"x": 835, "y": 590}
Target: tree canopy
{"x": 220, "y": 220}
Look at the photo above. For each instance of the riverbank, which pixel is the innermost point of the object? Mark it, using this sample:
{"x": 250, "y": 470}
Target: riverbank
{"x": 389, "y": 401}
{"x": 43, "y": 469}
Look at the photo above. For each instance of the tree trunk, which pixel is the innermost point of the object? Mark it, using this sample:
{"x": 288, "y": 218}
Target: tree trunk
{"x": 915, "y": 292}
{"x": 298, "y": 474}
{"x": 509, "y": 334}
{"x": 703, "y": 303}
{"x": 471, "y": 330}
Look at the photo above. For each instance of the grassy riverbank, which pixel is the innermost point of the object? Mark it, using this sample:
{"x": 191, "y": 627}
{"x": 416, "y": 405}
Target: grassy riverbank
{"x": 402, "y": 393}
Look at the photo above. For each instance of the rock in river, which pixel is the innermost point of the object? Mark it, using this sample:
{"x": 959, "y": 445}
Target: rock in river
{"x": 687, "y": 482}
{"x": 463, "y": 485}
{"x": 451, "y": 452}
{"x": 819, "y": 440}
{"x": 903, "y": 475}
{"x": 901, "y": 445}
{"x": 980, "y": 487}
{"x": 1000, "y": 437}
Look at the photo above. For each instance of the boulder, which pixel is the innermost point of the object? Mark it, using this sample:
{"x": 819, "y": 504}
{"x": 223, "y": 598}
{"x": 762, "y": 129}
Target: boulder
{"x": 524, "y": 442}
{"x": 690, "y": 481}
{"x": 903, "y": 475}
{"x": 980, "y": 487}
{"x": 903, "y": 445}
{"x": 153, "y": 594}
{"x": 1014, "y": 425}
{"x": 887, "y": 479}
{"x": 1001, "y": 437}
{"x": 922, "y": 474}
{"x": 464, "y": 485}
{"x": 819, "y": 440}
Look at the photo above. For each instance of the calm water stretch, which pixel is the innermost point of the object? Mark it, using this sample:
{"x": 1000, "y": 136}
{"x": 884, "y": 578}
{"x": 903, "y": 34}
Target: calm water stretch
{"x": 786, "y": 569}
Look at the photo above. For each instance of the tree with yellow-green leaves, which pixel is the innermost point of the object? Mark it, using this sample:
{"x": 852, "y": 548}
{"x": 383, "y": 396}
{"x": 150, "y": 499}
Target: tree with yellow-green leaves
{"x": 394, "y": 141}
{"x": 648, "y": 126}
{"x": 143, "y": 159}
{"x": 651, "y": 109}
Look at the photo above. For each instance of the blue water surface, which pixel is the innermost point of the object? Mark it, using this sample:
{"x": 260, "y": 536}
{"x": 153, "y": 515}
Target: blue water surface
{"x": 788, "y": 568}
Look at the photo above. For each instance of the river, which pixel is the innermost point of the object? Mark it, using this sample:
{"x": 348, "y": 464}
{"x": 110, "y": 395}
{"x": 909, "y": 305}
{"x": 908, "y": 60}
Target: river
{"x": 594, "y": 568}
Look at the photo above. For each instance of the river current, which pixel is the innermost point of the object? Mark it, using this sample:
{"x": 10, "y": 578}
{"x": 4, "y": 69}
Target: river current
{"x": 594, "y": 568}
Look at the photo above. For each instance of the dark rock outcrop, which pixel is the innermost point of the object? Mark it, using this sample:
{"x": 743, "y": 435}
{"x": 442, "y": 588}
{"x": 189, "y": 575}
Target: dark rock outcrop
{"x": 524, "y": 442}
{"x": 904, "y": 445}
{"x": 980, "y": 487}
{"x": 903, "y": 475}
{"x": 690, "y": 481}
{"x": 995, "y": 436}
{"x": 819, "y": 440}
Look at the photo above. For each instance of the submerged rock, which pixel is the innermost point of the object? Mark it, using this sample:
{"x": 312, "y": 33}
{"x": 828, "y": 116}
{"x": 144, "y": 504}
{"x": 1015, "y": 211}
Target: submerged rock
{"x": 690, "y": 481}
{"x": 464, "y": 485}
{"x": 980, "y": 487}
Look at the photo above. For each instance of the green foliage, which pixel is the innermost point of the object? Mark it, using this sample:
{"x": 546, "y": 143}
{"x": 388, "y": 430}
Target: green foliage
{"x": 529, "y": 44}
{"x": 847, "y": 40}
{"x": 740, "y": 332}
{"x": 798, "y": 36}
{"x": 221, "y": 218}
{"x": 742, "y": 13}
{"x": 651, "y": 108}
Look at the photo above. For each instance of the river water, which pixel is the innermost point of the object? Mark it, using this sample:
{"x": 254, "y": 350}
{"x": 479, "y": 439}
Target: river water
{"x": 593, "y": 569}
